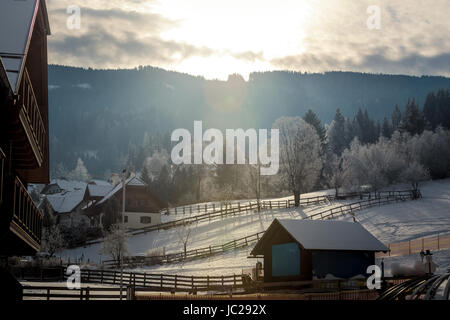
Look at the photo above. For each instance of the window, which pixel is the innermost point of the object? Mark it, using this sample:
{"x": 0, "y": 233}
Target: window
{"x": 285, "y": 260}
{"x": 146, "y": 220}
{"x": 125, "y": 219}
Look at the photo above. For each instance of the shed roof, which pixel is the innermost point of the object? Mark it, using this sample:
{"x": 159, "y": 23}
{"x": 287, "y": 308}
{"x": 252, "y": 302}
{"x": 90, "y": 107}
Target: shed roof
{"x": 323, "y": 235}
{"x": 17, "y": 20}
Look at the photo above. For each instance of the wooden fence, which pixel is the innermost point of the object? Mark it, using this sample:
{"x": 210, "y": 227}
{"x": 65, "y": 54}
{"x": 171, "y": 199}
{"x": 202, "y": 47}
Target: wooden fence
{"x": 164, "y": 282}
{"x": 31, "y": 292}
{"x": 246, "y": 241}
{"x": 246, "y": 208}
{"x": 189, "y": 255}
{"x": 432, "y": 243}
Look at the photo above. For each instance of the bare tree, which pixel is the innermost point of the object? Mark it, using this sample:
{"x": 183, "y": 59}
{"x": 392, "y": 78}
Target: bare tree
{"x": 52, "y": 237}
{"x": 184, "y": 233}
{"x": 115, "y": 242}
{"x": 254, "y": 182}
{"x": 300, "y": 160}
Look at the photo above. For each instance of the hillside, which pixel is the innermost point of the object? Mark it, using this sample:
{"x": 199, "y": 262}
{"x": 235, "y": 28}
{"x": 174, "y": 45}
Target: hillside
{"x": 389, "y": 223}
{"x": 101, "y": 115}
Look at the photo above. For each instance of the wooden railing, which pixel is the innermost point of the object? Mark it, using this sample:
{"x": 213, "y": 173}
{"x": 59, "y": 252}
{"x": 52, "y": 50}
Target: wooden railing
{"x": 32, "y": 116}
{"x": 2, "y": 175}
{"x": 434, "y": 243}
{"x": 189, "y": 255}
{"x": 31, "y": 292}
{"x": 163, "y": 282}
{"x": 26, "y": 214}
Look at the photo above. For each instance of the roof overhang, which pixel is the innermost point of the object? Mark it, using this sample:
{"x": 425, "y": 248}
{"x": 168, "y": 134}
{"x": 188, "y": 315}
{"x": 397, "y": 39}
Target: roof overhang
{"x": 277, "y": 227}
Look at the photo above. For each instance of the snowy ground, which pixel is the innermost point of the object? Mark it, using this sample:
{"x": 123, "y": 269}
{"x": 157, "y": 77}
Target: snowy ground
{"x": 389, "y": 223}
{"x": 202, "y": 234}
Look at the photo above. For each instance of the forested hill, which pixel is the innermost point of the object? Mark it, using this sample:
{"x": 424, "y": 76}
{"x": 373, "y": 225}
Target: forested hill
{"x": 99, "y": 115}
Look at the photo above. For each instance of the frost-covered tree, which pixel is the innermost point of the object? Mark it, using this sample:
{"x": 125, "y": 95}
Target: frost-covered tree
{"x": 184, "y": 233}
{"x": 52, "y": 237}
{"x": 334, "y": 172}
{"x": 115, "y": 242}
{"x": 80, "y": 172}
{"x": 300, "y": 160}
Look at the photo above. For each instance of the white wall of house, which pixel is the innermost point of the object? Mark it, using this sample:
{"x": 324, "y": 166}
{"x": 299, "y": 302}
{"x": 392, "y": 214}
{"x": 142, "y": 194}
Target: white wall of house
{"x": 135, "y": 220}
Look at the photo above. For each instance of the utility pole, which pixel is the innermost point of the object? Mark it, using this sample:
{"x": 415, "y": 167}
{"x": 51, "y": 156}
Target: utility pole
{"x": 259, "y": 186}
{"x": 123, "y": 230}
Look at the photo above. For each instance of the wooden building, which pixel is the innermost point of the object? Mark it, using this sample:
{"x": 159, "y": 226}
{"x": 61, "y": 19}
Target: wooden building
{"x": 24, "y": 153}
{"x": 296, "y": 250}
{"x": 142, "y": 206}
{"x": 24, "y": 147}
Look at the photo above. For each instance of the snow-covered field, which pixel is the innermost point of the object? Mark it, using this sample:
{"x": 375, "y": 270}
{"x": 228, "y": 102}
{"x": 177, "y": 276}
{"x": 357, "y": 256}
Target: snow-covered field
{"x": 389, "y": 223}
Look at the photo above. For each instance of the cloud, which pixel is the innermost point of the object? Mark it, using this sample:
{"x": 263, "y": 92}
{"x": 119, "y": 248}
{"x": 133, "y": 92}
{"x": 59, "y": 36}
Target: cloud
{"x": 413, "y": 38}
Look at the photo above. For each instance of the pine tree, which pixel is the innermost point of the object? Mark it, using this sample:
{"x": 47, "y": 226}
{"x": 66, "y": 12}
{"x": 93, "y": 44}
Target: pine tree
{"x": 311, "y": 118}
{"x": 145, "y": 175}
{"x": 414, "y": 121}
{"x": 386, "y": 129}
{"x": 396, "y": 118}
{"x": 338, "y": 133}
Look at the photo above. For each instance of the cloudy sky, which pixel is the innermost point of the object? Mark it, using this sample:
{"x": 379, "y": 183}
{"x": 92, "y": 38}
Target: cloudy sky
{"x": 215, "y": 38}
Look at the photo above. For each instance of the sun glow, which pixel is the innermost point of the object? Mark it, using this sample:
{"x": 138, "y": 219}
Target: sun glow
{"x": 258, "y": 30}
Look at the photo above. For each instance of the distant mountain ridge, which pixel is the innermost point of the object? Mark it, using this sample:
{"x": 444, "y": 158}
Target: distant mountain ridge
{"x": 98, "y": 114}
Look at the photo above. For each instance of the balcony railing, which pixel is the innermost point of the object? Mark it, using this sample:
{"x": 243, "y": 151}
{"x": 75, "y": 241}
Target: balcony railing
{"x": 2, "y": 175}
{"x": 27, "y": 215}
{"x": 31, "y": 117}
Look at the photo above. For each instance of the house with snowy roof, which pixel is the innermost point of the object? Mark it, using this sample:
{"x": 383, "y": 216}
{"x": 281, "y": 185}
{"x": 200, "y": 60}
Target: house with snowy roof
{"x": 66, "y": 206}
{"x": 142, "y": 206}
{"x": 63, "y": 185}
{"x": 297, "y": 250}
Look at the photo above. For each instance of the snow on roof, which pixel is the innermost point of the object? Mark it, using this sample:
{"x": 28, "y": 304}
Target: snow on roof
{"x": 329, "y": 235}
{"x": 99, "y": 190}
{"x": 67, "y": 202}
{"x": 131, "y": 181}
{"x": 100, "y": 182}
{"x": 17, "y": 20}
{"x": 70, "y": 185}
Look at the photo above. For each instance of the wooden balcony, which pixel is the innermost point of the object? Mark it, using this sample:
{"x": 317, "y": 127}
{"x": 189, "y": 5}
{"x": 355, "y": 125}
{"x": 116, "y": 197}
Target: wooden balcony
{"x": 2, "y": 175}
{"x": 21, "y": 220}
{"x": 27, "y": 218}
{"x": 27, "y": 128}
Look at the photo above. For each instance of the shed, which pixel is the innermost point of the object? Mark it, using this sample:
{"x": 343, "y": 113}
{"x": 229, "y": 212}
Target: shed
{"x": 316, "y": 249}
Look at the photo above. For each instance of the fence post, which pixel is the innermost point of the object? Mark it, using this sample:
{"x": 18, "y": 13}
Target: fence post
{"x": 161, "y": 280}
{"x": 48, "y": 293}
{"x": 87, "y": 294}
{"x": 145, "y": 278}
{"x": 175, "y": 282}
{"x": 207, "y": 282}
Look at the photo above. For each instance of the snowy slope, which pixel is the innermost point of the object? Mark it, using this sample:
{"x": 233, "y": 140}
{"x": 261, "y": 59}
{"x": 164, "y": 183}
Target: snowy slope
{"x": 389, "y": 223}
